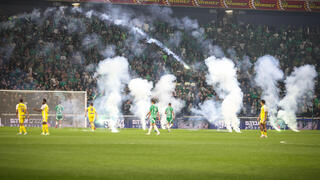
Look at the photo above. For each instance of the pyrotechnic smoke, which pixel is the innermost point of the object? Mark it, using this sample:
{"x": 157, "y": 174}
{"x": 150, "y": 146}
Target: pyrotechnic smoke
{"x": 75, "y": 25}
{"x": 72, "y": 105}
{"x": 298, "y": 84}
{"x": 112, "y": 74}
{"x": 168, "y": 51}
{"x": 163, "y": 92}
{"x": 91, "y": 40}
{"x": 222, "y": 76}
{"x": 132, "y": 24}
{"x": 175, "y": 39}
{"x": 232, "y": 53}
{"x": 7, "y": 50}
{"x": 211, "y": 110}
{"x": 245, "y": 65}
{"x": 108, "y": 52}
{"x": 268, "y": 73}
{"x": 140, "y": 89}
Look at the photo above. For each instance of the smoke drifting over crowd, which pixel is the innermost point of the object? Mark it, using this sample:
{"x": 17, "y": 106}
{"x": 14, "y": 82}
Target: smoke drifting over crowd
{"x": 163, "y": 92}
{"x": 300, "y": 83}
{"x": 133, "y": 24}
{"x": 112, "y": 74}
{"x": 222, "y": 76}
{"x": 268, "y": 73}
{"x": 140, "y": 89}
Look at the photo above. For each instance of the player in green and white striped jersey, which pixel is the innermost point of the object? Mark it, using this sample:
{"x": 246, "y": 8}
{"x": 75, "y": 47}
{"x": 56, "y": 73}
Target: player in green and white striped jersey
{"x": 59, "y": 115}
{"x": 153, "y": 114}
{"x": 170, "y": 116}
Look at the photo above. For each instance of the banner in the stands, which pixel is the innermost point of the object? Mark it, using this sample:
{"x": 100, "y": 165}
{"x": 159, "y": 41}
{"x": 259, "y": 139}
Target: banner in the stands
{"x": 263, "y": 4}
{"x": 314, "y": 6}
{"x": 236, "y": 4}
{"x": 276, "y": 5}
{"x": 292, "y": 5}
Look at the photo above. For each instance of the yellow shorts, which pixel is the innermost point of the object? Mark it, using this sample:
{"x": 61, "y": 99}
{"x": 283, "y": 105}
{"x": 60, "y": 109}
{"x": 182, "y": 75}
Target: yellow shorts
{"x": 91, "y": 118}
{"x": 262, "y": 122}
{"x": 21, "y": 119}
{"x": 44, "y": 119}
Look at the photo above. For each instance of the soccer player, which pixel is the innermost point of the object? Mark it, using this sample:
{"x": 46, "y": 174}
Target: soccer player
{"x": 153, "y": 112}
{"x": 91, "y": 112}
{"x": 59, "y": 115}
{"x": 263, "y": 119}
{"x": 21, "y": 111}
{"x": 45, "y": 112}
{"x": 170, "y": 115}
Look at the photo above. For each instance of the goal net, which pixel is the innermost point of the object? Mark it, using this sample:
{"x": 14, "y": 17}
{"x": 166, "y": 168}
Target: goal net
{"x": 73, "y": 102}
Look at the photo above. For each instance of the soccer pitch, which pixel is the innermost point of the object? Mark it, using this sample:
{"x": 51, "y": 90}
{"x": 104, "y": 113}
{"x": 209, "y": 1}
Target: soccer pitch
{"x": 70, "y": 153}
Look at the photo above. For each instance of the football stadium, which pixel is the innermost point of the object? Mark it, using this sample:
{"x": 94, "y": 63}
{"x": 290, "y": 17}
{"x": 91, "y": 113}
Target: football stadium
{"x": 159, "y": 89}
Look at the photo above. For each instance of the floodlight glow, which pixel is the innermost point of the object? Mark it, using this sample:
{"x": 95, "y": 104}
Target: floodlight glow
{"x": 229, "y": 11}
{"x": 76, "y": 4}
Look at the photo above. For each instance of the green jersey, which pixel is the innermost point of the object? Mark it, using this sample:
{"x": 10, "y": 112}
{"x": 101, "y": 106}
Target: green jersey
{"x": 59, "y": 109}
{"x": 154, "y": 111}
{"x": 169, "y": 111}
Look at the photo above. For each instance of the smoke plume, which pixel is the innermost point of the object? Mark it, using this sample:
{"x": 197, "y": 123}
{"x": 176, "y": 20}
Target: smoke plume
{"x": 298, "y": 84}
{"x": 268, "y": 73}
{"x": 112, "y": 74}
{"x": 140, "y": 89}
{"x": 163, "y": 92}
{"x": 222, "y": 76}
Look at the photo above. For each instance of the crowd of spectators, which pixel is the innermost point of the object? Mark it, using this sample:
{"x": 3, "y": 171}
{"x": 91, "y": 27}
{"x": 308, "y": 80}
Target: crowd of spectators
{"x": 60, "y": 52}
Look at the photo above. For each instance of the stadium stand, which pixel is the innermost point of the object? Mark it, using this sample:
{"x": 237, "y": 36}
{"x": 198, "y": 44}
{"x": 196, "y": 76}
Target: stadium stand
{"x": 69, "y": 69}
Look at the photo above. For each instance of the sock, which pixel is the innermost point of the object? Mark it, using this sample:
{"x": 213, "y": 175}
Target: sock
{"x": 150, "y": 130}
{"x": 156, "y": 128}
{"x": 262, "y": 133}
{"x": 47, "y": 129}
{"x": 43, "y": 128}
{"x": 265, "y": 133}
{"x": 24, "y": 129}
{"x": 20, "y": 129}
{"x": 92, "y": 126}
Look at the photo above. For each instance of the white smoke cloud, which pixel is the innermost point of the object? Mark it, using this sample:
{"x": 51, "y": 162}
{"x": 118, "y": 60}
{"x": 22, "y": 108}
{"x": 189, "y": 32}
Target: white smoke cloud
{"x": 108, "y": 52}
{"x": 222, "y": 76}
{"x": 217, "y": 51}
{"x": 134, "y": 25}
{"x": 175, "y": 39}
{"x": 91, "y": 40}
{"x": 298, "y": 84}
{"x": 112, "y": 74}
{"x": 189, "y": 24}
{"x": 168, "y": 51}
{"x": 163, "y": 91}
{"x": 245, "y": 65}
{"x": 268, "y": 73}
{"x": 72, "y": 105}
{"x": 211, "y": 110}
{"x": 140, "y": 89}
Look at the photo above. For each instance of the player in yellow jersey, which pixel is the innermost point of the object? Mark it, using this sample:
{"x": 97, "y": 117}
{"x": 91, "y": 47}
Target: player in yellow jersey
{"x": 92, "y": 114}
{"x": 263, "y": 119}
{"x": 21, "y": 112}
{"x": 45, "y": 113}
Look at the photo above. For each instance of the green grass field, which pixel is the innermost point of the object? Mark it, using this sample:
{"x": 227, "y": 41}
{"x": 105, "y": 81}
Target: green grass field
{"x": 181, "y": 154}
